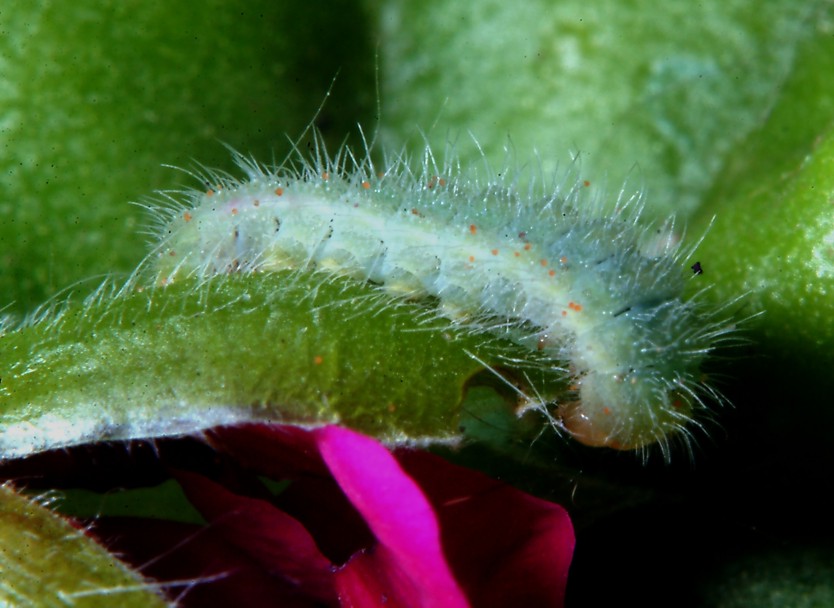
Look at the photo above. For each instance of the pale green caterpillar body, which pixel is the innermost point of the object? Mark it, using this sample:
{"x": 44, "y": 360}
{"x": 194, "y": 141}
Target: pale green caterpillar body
{"x": 571, "y": 278}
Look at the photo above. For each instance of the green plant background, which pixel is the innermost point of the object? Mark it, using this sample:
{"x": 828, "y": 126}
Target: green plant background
{"x": 720, "y": 111}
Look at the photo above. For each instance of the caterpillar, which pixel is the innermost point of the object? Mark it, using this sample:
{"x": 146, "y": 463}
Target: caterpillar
{"x": 578, "y": 281}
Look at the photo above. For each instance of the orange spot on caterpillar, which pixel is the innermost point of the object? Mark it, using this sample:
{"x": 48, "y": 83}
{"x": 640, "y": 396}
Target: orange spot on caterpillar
{"x": 234, "y": 210}
{"x": 517, "y": 254}
{"x": 564, "y": 313}
{"x": 574, "y": 306}
{"x": 187, "y": 216}
{"x": 551, "y": 272}
{"x": 279, "y": 191}
{"x": 209, "y": 192}
{"x": 494, "y": 252}
{"x": 471, "y": 258}
{"x": 527, "y": 247}
{"x": 441, "y": 181}
{"x": 318, "y": 359}
{"x": 563, "y": 259}
{"x": 414, "y": 211}
{"x": 543, "y": 262}
{"x": 586, "y": 183}
{"x": 366, "y": 185}
{"x": 473, "y": 229}
{"x": 325, "y": 176}
{"x": 606, "y": 410}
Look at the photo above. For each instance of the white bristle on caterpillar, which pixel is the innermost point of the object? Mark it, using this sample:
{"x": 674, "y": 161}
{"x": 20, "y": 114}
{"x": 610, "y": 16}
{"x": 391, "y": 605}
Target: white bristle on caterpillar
{"x": 561, "y": 273}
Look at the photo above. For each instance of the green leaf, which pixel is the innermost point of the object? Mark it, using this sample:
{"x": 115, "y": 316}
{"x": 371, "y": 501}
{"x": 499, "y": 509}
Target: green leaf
{"x": 773, "y": 239}
{"x": 45, "y": 561}
{"x": 788, "y": 575}
{"x": 668, "y": 88}
{"x": 97, "y": 95}
{"x": 163, "y": 501}
{"x": 274, "y": 346}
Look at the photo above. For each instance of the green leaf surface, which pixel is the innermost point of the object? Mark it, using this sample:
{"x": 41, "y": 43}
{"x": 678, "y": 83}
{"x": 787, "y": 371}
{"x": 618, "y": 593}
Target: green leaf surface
{"x": 773, "y": 240}
{"x": 667, "y": 88}
{"x": 164, "y": 501}
{"x": 274, "y": 346}
{"x": 796, "y": 576}
{"x": 96, "y": 96}
{"x": 46, "y": 562}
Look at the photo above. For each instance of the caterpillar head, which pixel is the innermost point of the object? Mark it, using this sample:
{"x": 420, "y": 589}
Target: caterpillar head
{"x": 627, "y": 410}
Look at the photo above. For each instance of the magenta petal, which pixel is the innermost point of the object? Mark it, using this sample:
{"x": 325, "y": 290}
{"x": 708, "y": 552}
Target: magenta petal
{"x": 409, "y": 555}
{"x": 313, "y": 498}
{"x": 374, "y": 579}
{"x": 195, "y": 568}
{"x": 276, "y": 450}
{"x": 506, "y": 547}
{"x": 275, "y": 542}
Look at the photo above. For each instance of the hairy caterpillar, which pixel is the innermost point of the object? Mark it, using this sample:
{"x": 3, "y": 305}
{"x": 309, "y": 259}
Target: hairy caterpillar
{"x": 566, "y": 276}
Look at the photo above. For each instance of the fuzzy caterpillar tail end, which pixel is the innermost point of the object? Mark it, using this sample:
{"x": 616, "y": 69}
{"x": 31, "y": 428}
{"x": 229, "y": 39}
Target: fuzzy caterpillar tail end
{"x": 647, "y": 385}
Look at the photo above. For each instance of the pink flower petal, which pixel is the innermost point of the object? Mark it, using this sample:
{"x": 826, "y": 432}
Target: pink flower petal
{"x": 313, "y": 497}
{"x": 374, "y": 579}
{"x": 502, "y": 546}
{"x": 408, "y": 529}
{"x": 273, "y": 540}
{"x": 277, "y": 451}
{"x": 409, "y": 553}
{"x": 506, "y": 547}
{"x": 195, "y": 567}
